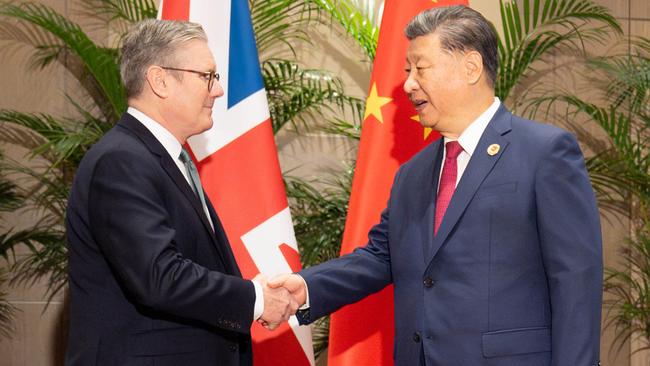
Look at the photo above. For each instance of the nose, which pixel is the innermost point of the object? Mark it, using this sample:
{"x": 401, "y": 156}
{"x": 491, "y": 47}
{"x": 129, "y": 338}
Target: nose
{"x": 217, "y": 90}
{"x": 410, "y": 84}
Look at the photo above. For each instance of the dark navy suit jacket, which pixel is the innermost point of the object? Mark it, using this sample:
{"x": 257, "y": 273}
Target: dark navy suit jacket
{"x": 150, "y": 282}
{"x": 513, "y": 276}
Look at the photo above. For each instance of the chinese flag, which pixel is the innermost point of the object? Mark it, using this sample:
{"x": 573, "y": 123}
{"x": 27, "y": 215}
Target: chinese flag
{"x": 240, "y": 172}
{"x": 362, "y": 333}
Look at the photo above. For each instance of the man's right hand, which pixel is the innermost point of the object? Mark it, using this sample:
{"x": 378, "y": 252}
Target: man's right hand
{"x": 278, "y": 305}
{"x": 293, "y": 283}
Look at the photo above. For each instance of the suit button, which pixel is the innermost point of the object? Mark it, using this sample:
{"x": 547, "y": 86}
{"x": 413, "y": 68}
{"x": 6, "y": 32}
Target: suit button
{"x": 428, "y": 282}
{"x": 416, "y": 337}
{"x": 232, "y": 348}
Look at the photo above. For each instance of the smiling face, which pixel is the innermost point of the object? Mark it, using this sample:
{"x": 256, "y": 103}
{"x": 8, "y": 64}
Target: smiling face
{"x": 189, "y": 105}
{"x": 436, "y": 84}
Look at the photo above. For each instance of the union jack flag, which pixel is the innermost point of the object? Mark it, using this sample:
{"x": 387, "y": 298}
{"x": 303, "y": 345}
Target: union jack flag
{"x": 239, "y": 167}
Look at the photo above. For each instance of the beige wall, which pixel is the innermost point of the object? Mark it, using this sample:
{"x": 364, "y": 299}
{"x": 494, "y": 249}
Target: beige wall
{"x": 39, "y": 330}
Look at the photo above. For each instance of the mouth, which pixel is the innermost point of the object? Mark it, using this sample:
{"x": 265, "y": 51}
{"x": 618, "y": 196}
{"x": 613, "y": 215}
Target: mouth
{"x": 419, "y": 104}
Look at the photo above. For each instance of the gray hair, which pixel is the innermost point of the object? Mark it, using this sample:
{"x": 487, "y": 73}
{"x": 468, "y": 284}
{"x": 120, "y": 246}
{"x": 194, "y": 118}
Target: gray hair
{"x": 153, "y": 42}
{"x": 461, "y": 29}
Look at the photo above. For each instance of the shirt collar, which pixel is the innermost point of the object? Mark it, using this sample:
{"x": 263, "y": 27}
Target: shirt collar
{"x": 469, "y": 139}
{"x": 166, "y": 139}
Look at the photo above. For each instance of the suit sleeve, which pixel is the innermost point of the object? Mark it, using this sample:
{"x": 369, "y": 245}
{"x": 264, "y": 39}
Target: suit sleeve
{"x": 352, "y": 277}
{"x": 132, "y": 229}
{"x": 569, "y": 231}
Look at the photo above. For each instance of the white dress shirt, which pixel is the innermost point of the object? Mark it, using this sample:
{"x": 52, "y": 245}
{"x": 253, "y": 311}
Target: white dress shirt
{"x": 173, "y": 148}
{"x": 469, "y": 139}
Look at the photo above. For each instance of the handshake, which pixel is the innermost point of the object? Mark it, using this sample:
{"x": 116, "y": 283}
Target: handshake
{"x": 283, "y": 295}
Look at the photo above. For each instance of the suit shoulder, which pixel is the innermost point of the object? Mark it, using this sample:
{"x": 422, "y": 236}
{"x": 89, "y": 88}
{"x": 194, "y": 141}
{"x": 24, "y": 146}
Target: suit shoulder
{"x": 115, "y": 143}
{"x": 539, "y": 141}
{"x": 118, "y": 147}
{"x": 532, "y": 131}
{"x": 423, "y": 157}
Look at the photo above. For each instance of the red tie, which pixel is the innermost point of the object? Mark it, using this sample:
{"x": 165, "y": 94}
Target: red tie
{"x": 447, "y": 182}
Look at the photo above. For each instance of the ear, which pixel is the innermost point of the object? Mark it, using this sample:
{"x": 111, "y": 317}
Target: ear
{"x": 473, "y": 67}
{"x": 155, "y": 77}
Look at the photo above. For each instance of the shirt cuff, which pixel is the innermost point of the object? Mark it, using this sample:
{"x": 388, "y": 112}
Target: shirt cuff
{"x": 258, "y": 310}
{"x": 305, "y": 306}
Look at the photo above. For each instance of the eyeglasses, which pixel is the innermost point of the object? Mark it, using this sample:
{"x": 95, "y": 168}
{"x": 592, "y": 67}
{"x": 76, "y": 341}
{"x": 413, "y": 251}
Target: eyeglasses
{"x": 209, "y": 76}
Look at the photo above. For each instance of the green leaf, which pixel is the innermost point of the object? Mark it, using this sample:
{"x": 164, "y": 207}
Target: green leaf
{"x": 295, "y": 93}
{"x": 98, "y": 63}
{"x": 527, "y": 42}
{"x": 281, "y": 23}
{"x": 356, "y": 23}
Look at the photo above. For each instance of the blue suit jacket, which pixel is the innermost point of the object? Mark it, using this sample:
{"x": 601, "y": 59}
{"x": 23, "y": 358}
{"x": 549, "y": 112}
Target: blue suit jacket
{"x": 150, "y": 282}
{"x": 512, "y": 278}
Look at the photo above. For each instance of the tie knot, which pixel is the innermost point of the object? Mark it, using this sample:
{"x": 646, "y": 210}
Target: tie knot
{"x": 453, "y": 149}
{"x": 184, "y": 156}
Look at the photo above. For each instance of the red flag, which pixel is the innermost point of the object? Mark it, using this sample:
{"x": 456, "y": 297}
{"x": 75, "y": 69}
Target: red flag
{"x": 362, "y": 333}
{"x": 239, "y": 167}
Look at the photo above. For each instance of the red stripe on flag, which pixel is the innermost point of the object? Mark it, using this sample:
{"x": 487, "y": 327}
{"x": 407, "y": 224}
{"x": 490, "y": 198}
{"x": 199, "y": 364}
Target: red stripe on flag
{"x": 176, "y": 10}
{"x": 279, "y": 347}
{"x": 244, "y": 183}
{"x": 292, "y": 257}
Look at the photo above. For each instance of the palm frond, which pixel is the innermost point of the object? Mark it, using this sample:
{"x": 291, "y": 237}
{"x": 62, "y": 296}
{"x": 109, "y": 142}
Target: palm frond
{"x": 9, "y": 201}
{"x": 116, "y": 15}
{"x": 613, "y": 121}
{"x": 320, "y": 335}
{"x": 628, "y": 309}
{"x": 44, "y": 194}
{"x": 278, "y": 24}
{"x": 624, "y": 80}
{"x": 96, "y": 67}
{"x": 54, "y": 139}
{"x": 341, "y": 127}
{"x": 319, "y": 216}
{"x": 128, "y": 11}
{"x": 48, "y": 257}
{"x": 7, "y": 310}
{"x": 295, "y": 93}
{"x": 15, "y": 34}
{"x": 355, "y": 22}
{"x": 9, "y": 197}
{"x": 29, "y": 130}
{"x": 614, "y": 181}
{"x": 532, "y": 32}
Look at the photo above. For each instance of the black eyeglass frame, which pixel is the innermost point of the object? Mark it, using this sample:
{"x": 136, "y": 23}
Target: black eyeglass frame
{"x": 210, "y": 75}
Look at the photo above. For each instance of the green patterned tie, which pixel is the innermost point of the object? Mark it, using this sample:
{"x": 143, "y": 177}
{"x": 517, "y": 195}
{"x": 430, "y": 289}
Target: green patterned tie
{"x": 194, "y": 175}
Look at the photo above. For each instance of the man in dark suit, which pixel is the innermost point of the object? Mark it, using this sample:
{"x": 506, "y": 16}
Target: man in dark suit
{"x": 153, "y": 280}
{"x": 491, "y": 235}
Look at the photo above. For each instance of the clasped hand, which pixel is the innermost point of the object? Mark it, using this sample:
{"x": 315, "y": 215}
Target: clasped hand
{"x": 283, "y": 295}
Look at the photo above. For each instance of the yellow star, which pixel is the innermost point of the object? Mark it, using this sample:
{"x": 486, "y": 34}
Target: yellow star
{"x": 374, "y": 104}
{"x": 435, "y": 1}
{"x": 427, "y": 130}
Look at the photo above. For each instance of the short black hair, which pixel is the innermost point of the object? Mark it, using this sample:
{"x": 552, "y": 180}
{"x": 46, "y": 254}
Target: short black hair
{"x": 460, "y": 28}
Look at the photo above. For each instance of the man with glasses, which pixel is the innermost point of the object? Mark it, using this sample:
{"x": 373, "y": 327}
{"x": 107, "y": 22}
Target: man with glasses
{"x": 153, "y": 279}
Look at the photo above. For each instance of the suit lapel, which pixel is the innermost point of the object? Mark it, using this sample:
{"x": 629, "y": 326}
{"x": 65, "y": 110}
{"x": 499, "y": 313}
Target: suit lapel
{"x": 480, "y": 165}
{"x": 220, "y": 233}
{"x": 172, "y": 171}
{"x": 429, "y": 178}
